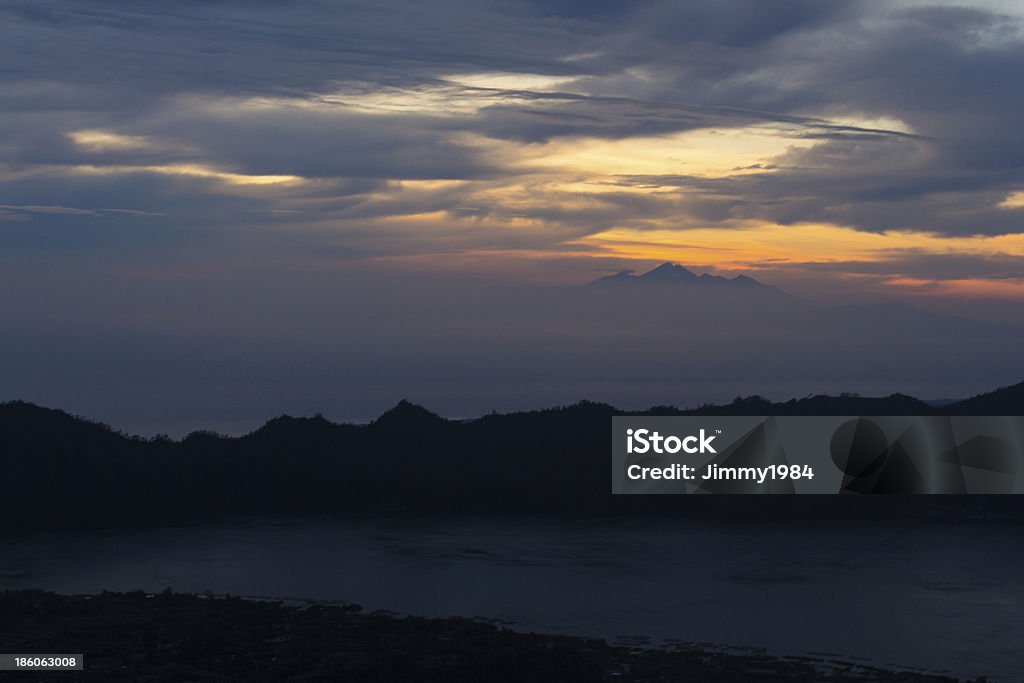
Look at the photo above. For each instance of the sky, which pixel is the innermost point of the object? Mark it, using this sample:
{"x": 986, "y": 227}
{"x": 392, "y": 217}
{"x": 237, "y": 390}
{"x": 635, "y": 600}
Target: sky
{"x": 186, "y": 179}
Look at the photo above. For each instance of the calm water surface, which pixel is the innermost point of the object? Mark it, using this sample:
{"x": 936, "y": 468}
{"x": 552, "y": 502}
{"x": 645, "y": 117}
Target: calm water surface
{"x": 935, "y": 597}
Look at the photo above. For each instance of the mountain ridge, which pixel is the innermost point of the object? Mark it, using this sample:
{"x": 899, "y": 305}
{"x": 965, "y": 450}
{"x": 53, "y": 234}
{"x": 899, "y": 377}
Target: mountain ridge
{"x": 673, "y": 274}
{"x": 61, "y": 471}
{"x": 1006, "y": 400}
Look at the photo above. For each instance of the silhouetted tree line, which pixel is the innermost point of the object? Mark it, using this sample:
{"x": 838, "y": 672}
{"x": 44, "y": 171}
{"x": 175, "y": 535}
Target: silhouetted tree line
{"x": 57, "y": 470}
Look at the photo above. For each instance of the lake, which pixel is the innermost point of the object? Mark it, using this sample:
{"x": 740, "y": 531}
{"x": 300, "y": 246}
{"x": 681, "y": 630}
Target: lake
{"x": 920, "y": 595}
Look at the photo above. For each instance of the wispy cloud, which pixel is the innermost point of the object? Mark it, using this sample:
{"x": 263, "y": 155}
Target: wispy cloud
{"x": 527, "y": 125}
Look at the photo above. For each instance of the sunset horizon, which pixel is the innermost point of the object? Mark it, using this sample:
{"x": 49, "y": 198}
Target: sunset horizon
{"x": 505, "y": 341}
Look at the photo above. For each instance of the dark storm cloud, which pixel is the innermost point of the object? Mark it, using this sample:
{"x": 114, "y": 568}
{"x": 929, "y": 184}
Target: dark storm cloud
{"x": 872, "y": 185}
{"x": 240, "y": 47}
{"x": 324, "y": 144}
{"x": 948, "y": 74}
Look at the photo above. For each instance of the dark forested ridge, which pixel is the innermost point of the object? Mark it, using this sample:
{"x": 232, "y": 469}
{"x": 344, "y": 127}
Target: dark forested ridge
{"x": 60, "y": 470}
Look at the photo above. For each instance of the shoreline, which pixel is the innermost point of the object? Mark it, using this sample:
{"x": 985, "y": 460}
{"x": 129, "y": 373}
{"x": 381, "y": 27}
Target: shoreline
{"x": 141, "y": 636}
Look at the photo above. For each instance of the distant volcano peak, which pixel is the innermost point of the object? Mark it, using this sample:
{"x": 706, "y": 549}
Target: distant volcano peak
{"x": 669, "y": 273}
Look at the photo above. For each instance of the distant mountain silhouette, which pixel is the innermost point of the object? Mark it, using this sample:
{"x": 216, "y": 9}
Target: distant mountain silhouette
{"x": 674, "y": 274}
{"x": 64, "y": 471}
